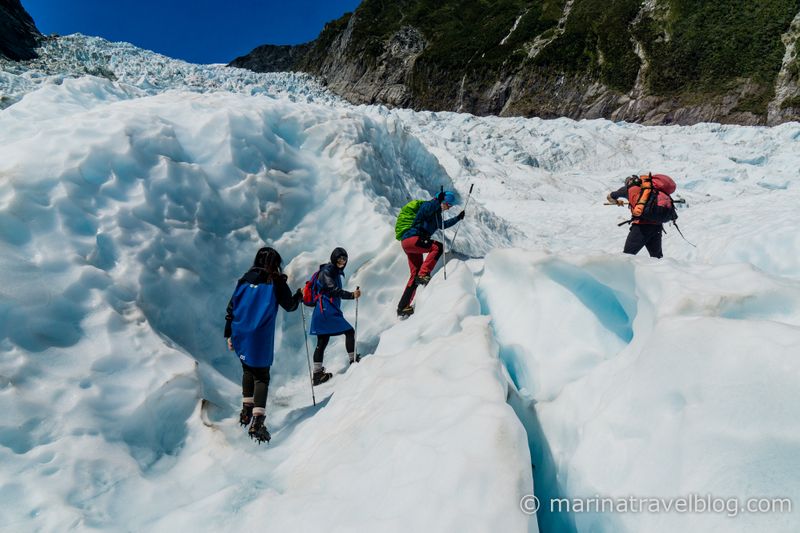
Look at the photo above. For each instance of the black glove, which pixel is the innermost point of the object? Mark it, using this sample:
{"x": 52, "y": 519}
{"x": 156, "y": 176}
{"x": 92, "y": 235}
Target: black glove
{"x": 298, "y": 296}
{"x": 424, "y": 243}
{"x": 440, "y": 197}
{"x": 460, "y": 216}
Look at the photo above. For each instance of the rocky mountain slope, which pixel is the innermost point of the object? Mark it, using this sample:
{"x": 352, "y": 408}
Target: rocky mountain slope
{"x": 652, "y": 61}
{"x": 18, "y": 33}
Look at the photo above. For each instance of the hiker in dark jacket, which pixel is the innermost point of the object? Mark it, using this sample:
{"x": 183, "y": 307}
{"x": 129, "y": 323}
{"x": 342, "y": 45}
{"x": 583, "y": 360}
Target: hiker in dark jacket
{"x": 327, "y": 320}
{"x": 417, "y": 241}
{"x": 250, "y": 332}
{"x": 643, "y": 233}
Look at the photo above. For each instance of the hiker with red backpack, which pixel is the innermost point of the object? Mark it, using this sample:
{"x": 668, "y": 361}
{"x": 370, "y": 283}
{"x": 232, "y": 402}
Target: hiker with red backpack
{"x": 651, "y": 206}
{"x": 250, "y": 333}
{"x": 415, "y": 236}
{"x": 327, "y": 320}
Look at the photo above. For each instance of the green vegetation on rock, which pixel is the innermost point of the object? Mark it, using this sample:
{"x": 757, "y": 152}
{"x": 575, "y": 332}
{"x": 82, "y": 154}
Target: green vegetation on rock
{"x": 707, "y": 47}
{"x": 597, "y": 41}
{"x": 462, "y": 36}
{"x": 791, "y": 102}
{"x": 323, "y": 42}
{"x": 695, "y": 52}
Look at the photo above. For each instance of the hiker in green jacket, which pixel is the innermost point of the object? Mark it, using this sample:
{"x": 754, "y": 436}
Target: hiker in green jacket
{"x": 417, "y": 241}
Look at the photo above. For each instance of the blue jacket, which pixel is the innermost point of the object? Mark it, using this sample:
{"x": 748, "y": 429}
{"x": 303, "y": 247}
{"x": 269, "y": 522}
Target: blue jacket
{"x": 428, "y": 220}
{"x": 327, "y": 318}
{"x": 250, "y": 320}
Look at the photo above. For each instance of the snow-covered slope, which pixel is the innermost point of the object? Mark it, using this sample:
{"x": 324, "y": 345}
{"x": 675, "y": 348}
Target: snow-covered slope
{"x": 144, "y": 72}
{"x": 550, "y": 178}
{"x": 131, "y": 202}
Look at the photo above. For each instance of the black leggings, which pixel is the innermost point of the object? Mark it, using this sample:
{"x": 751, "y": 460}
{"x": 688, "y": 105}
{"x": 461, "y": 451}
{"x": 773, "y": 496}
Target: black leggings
{"x": 255, "y": 383}
{"x": 322, "y": 343}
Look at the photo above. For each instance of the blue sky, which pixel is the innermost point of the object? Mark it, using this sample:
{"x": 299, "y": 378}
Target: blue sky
{"x": 201, "y": 31}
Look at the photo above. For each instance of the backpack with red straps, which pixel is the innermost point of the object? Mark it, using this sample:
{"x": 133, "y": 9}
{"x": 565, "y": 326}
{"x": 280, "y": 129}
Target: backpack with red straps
{"x": 311, "y": 290}
{"x": 654, "y": 203}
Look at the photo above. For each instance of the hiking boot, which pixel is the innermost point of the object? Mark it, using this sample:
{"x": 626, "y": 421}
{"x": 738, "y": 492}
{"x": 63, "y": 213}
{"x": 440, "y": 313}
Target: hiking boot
{"x": 246, "y": 414}
{"x": 258, "y": 430}
{"x": 422, "y": 280}
{"x": 321, "y": 377}
{"x": 405, "y": 312}
{"x": 357, "y": 359}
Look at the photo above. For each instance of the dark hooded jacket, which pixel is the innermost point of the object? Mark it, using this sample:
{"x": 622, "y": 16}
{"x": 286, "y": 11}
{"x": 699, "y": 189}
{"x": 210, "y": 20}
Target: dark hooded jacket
{"x": 327, "y": 318}
{"x": 428, "y": 220}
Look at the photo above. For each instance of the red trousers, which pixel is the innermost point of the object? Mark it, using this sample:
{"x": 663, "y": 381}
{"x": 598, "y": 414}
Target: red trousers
{"x": 415, "y": 247}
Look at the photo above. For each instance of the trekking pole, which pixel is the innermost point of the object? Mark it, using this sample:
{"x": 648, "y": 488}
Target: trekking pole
{"x": 444, "y": 248}
{"x": 308, "y": 356}
{"x": 444, "y": 240}
{"x": 471, "y": 185}
{"x": 355, "y": 332}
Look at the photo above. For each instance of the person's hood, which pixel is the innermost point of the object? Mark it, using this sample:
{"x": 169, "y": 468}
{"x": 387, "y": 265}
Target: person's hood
{"x": 337, "y": 253}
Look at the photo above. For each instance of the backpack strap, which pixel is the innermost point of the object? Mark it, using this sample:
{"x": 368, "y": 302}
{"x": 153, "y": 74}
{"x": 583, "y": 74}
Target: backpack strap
{"x": 681, "y": 233}
{"x": 416, "y": 223}
{"x": 316, "y": 291}
{"x": 646, "y": 189}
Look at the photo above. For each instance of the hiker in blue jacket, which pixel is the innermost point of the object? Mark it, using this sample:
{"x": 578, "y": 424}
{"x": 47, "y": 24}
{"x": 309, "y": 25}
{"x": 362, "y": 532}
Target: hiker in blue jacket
{"x": 327, "y": 320}
{"x": 417, "y": 241}
{"x": 250, "y": 332}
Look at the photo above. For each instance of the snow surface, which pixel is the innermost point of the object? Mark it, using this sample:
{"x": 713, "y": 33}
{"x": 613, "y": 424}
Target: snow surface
{"x": 130, "y": 202}
{"x": 143, "y": 72}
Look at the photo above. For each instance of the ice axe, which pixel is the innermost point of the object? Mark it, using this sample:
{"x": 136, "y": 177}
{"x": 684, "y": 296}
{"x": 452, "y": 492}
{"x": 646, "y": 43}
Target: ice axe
{"x": 678, "y": 201}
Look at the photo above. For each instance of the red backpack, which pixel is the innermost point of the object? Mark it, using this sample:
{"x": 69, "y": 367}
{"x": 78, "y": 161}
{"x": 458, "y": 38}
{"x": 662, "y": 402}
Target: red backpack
{"x": 311, "y": 294}
{"x": 655, "y": 203}
{"x": 311, "y": 291}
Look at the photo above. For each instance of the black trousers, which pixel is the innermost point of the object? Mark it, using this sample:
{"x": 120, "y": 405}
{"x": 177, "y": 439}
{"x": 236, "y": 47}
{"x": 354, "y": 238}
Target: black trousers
{"x": 644, "y": 236}
{"x": 255, "y": 383}
{"x": 322, "y": 343}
